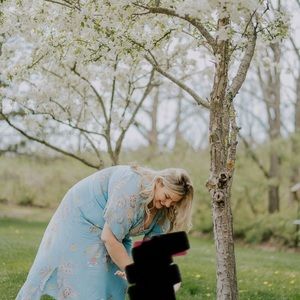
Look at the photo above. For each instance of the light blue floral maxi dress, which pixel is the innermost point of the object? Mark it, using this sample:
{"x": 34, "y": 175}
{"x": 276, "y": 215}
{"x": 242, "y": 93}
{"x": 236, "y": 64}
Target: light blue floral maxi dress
{"x": 72, "y": 261}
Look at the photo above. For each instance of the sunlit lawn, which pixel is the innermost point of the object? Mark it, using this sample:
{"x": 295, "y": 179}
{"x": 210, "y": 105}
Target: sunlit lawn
{"x": 261, "y": 274}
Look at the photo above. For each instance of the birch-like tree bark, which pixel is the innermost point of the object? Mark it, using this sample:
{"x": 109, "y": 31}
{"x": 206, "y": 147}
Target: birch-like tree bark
{"x": 222, "y": 139}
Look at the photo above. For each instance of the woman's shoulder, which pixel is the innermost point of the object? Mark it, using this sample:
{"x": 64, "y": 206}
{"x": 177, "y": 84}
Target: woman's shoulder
{"x": 125, "y": 173}
{"x": 119, "y": 170}
{"x": 123, "y": 170}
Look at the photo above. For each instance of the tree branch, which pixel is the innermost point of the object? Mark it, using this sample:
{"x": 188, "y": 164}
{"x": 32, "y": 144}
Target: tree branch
{"x": 97, "y": 152}
{"x": 61, "y": 77}
{"x": 45, "y": 143}
{"x": 100, "y": 100}
{"x": 65, "y": 3}
{"x": 113, "y": 89}
{"x": 187, "y": 89}
{"x": 142, "y": 130}
{"x": 34, "y": 112}
{"x": 295, "y": 48}
{"x": 130, "y": 91}
{"x": 20, "y": 113}
{"x": 240, "y": 77}
{"x": 124, "y": 130}
{"x": 195, "y": 22}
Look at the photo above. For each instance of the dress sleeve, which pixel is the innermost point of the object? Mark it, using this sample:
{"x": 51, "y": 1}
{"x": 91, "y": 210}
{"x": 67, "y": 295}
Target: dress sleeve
{"x": 121, "y": 208}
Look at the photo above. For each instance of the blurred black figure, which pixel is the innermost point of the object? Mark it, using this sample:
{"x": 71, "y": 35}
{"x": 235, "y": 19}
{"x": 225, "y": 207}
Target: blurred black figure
{"x": 153, "y": 273}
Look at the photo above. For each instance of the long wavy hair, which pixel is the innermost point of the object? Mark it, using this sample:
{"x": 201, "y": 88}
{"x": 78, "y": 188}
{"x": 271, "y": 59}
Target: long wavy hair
{"x": 176, "y": 180}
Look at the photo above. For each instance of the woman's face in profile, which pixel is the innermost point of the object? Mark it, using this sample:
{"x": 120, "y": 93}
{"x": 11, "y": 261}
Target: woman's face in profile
{"x": 164, "y": 197}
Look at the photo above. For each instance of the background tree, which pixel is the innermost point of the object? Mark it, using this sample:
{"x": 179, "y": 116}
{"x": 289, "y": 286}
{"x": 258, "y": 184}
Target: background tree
{"x": 295, "y": 169}
{"x": 271, "y": 67}
{"x": 270, "y": 83}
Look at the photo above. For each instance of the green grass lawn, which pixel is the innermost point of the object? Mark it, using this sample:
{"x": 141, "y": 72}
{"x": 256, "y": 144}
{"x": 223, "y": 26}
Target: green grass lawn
{"x": 261, "y": 274}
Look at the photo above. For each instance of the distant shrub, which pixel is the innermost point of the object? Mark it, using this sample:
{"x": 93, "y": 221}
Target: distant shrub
{"x": 26, "y": 200}
{"x": 275, "y": 228}
{"x": 3, "y": 201}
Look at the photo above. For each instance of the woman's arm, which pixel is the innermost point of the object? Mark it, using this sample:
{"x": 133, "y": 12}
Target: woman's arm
{"x": 115, "y": 249}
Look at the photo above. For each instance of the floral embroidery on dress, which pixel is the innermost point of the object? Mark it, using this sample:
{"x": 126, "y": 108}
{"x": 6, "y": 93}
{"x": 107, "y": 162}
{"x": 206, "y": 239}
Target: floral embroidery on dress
{"x": 66, "y": 268}
{"x": 132, "y": 200}
{"x": 73, "y": 247}
{"x": 94, "y": 229}
{"x": 93, "y": 254}
{"x": 66, "y": 293}
{"x": 45, "y": 272}
{"x": 130, "y": 215}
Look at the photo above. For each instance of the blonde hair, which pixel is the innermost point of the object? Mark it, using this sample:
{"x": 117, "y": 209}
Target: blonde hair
{"x": 176, "y": 180}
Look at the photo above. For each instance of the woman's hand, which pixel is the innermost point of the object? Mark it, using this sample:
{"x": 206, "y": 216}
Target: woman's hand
{"x": 177, "y": 287}
{"x": 121, "y": 274}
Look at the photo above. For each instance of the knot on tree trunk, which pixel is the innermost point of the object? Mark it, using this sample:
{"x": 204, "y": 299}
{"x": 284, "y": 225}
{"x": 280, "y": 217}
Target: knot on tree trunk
{"x": 217, "y": 186}
{"x": 218, "y": 182}
{"x": 211, "y": 183}
{"x": 219, "y": 198}
{"x": 223, "y": 180}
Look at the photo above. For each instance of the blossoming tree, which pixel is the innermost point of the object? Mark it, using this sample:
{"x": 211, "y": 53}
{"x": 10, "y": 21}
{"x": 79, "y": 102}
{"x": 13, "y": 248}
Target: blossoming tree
{"x": 224, "y": 32}
{"x": 62, "y": 102}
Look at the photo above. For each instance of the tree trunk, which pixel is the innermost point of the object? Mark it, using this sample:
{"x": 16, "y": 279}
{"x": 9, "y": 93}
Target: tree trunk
{"x": 270, "y": 87}
{"x": 273, "y": 188}
{"x": 274, "y": 132}
{"x": 220, "y": 181}
{"x": 153, "y": 134}
{"x": 178, "y": 119}
{"x": 295, "y": 169}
